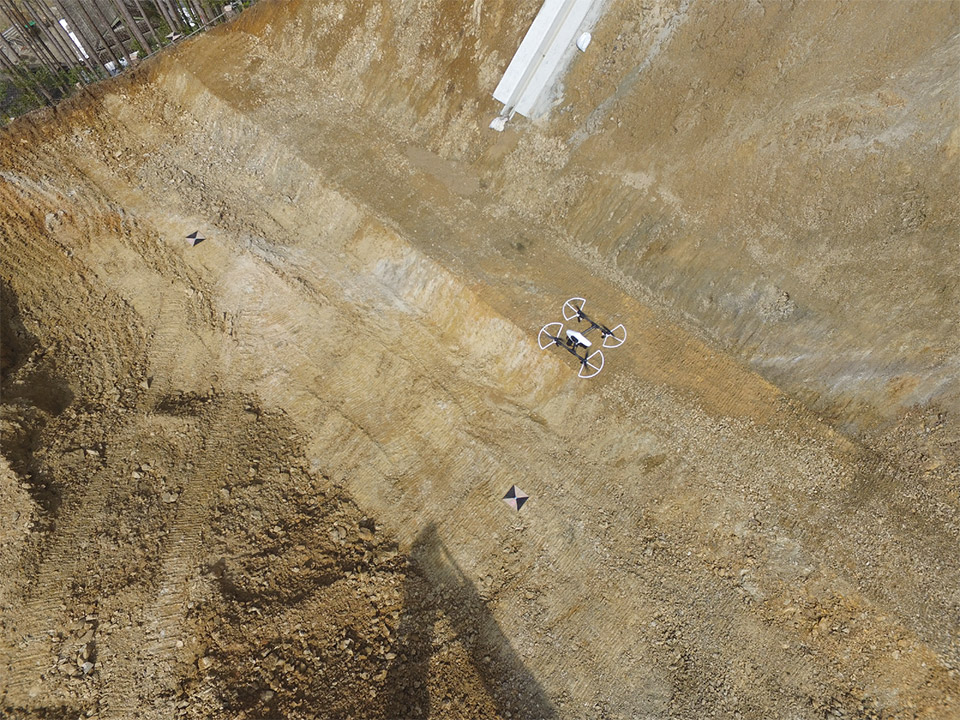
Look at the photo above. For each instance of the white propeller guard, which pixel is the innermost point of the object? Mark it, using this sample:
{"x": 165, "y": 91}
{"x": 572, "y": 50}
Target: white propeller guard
{"x": 616, "y": 337}
{"x": 591, "y": 368}
{"x": 570, "y": 309}
{"x": 544, "y": 339}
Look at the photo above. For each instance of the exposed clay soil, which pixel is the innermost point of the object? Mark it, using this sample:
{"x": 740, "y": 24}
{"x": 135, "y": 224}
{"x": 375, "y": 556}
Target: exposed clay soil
{"x": 261, "y": 477}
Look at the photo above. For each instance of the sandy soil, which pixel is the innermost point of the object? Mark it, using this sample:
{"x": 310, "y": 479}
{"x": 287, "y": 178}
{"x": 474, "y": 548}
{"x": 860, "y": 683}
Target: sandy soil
{"x": 261, "y": 477}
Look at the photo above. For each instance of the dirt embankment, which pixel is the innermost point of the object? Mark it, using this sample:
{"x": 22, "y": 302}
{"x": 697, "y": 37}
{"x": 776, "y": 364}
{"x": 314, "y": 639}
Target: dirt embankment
{"x": 260, "y": 477}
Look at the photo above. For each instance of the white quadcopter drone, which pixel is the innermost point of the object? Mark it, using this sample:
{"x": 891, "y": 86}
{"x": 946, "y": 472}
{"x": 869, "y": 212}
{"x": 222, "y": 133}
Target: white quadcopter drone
{"x": 591, "y": 363}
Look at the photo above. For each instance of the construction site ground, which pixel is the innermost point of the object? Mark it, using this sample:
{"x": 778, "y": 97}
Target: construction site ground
{"x": 261, "y": 477}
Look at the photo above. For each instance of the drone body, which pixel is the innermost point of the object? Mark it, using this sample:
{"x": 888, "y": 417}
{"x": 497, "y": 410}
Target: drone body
{"x": 591, "y": 363}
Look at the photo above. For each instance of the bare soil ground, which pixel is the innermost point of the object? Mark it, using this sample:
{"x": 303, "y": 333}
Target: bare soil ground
{"x": 261, "y": 477}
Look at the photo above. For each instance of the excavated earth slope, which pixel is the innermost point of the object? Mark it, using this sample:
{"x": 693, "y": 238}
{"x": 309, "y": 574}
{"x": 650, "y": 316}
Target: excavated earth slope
{"x": 260, "y": 477}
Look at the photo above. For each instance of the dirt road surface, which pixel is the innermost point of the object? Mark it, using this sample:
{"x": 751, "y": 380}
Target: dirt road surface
{"x": 260, "y": 477}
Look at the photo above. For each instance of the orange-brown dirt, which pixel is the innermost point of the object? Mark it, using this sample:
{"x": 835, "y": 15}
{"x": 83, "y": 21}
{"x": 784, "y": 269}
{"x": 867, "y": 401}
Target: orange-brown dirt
{"x": 260, "y": 477}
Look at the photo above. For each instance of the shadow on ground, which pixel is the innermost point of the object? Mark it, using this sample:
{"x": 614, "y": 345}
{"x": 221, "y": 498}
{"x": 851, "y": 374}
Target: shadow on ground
{"x": 440, "y": 601}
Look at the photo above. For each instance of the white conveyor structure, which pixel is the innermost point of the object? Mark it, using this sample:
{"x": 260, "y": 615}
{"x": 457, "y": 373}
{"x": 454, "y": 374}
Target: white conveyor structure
{"x": 553, "y": 32}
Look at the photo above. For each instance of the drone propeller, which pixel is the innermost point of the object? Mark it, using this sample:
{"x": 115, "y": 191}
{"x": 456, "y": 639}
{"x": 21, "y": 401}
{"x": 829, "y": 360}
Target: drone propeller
{"x": 614, "y": 338}
{"x": 547, "y": 338}
{"x": 573, "y": 308}
{"x": 591, "y": 365}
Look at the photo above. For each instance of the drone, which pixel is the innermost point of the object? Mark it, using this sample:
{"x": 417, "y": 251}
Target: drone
{"x": 591, "y": 363}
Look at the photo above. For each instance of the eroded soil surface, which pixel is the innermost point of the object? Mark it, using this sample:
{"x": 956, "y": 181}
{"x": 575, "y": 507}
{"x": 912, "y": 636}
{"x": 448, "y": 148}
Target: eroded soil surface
{"x": 260, "y": 477}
